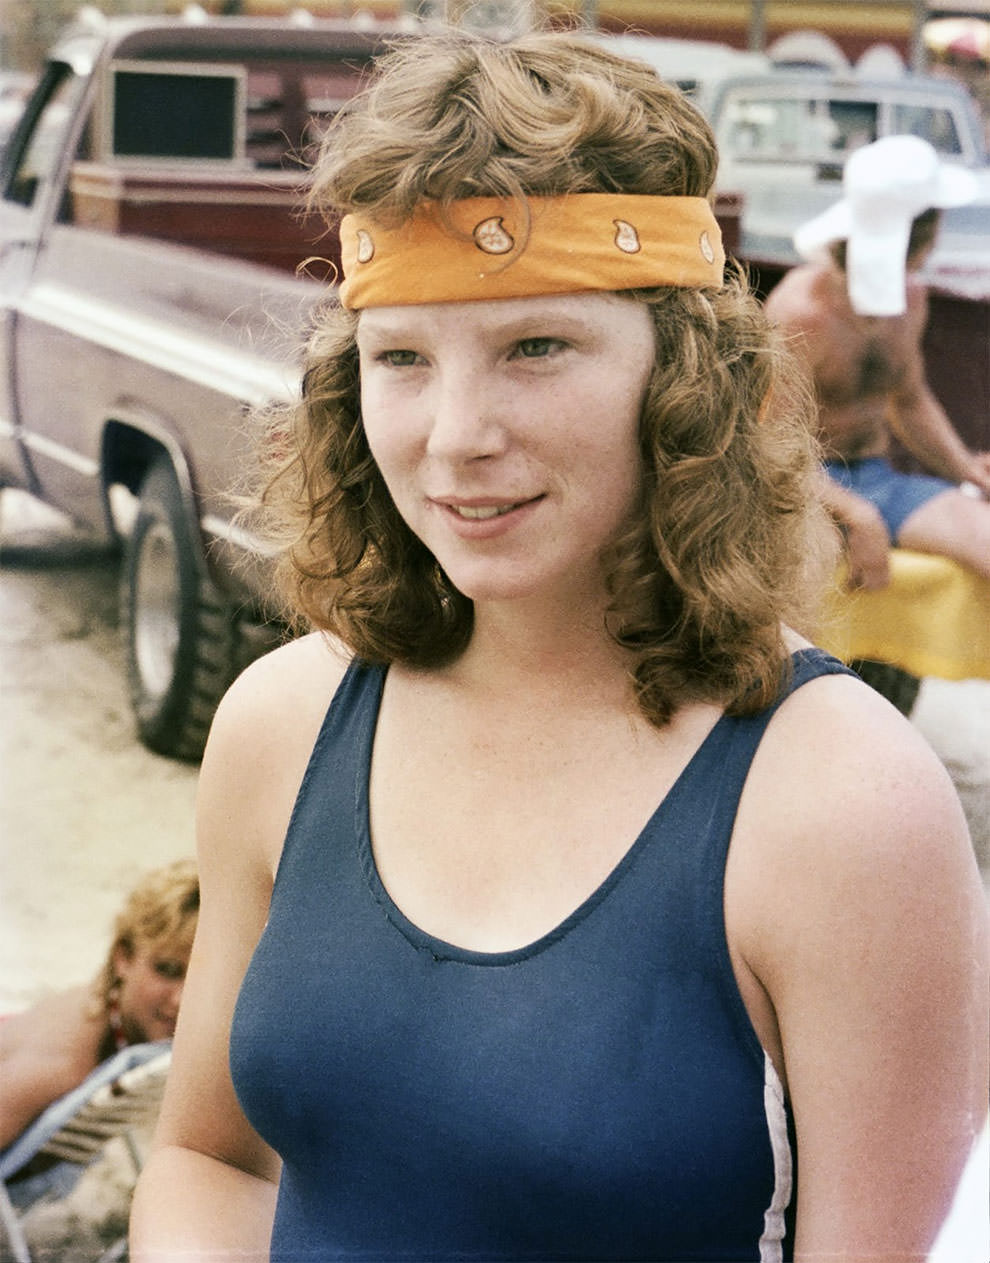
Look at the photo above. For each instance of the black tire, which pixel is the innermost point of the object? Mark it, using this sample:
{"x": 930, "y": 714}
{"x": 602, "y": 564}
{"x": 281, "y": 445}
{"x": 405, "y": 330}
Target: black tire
{"x": 180, "y": 636}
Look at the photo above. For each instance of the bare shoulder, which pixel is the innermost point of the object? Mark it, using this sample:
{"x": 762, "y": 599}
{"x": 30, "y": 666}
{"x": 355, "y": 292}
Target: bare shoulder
{"x": 59, "y": 1026}
{"x": 302, "y": 665}
{"x": 283, "y": 695}
{"x": 848, "y": 817}
{"x": 843, "y": 760}
{"x": 261, "y": 740}
{"x": 45, "y": 1051}
{"x": 801, "y": 305}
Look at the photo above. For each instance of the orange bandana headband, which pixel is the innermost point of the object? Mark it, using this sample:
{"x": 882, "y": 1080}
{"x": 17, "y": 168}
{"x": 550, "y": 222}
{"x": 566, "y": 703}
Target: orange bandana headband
{"x": 489, "y": 247}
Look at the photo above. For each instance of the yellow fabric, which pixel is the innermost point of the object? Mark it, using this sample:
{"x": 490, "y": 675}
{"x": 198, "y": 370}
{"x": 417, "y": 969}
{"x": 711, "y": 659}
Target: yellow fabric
{"x": 932, "y": 619}
{"x": 486, "y": 247}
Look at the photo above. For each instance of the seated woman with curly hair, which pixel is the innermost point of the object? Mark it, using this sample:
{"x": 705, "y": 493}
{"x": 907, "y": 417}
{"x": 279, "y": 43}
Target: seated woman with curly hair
{"x": 51, "y": 1047}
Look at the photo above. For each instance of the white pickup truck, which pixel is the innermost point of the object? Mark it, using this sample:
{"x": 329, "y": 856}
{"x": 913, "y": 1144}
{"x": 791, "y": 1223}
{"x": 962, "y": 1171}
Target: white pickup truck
{"x": 783, "y": 139}
{"x": 785, "y": 126}
{"x": 149, "y": 238}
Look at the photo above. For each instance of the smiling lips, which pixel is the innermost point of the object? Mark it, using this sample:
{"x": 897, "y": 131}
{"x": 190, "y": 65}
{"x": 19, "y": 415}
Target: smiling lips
{"x": 483, "y": 512}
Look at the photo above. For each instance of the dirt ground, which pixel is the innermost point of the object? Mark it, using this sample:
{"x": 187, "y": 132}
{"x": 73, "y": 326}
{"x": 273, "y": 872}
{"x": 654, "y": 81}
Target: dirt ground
{"x": 84, "y": 811}
{"x": 84, "y": 808}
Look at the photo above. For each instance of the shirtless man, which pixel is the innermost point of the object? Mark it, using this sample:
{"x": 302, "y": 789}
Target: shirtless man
{"x": 859, "y": 313}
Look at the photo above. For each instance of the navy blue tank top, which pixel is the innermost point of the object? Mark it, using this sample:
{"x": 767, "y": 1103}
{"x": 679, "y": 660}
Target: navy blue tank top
{"x": 597, "y": 1095}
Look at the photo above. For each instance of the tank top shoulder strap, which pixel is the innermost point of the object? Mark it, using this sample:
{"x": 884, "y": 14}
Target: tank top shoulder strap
{"x": 718, "y": 772}
{"x": 340, "y": 756}
{"x": 355, "y": 700}
{"x": 810, "y": 664}
{"x": 353, "y": 709}
{"x": 804, "y": 666}
{"x": 343, "y": 744}
{"x": 725, "y": 758}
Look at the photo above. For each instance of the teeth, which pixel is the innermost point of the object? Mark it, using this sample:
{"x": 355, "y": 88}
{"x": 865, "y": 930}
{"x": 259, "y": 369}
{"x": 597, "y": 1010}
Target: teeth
{"x": 482, "y": 512}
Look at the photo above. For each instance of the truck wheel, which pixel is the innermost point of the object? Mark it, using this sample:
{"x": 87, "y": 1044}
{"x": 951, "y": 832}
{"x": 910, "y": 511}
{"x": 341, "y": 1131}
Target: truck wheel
{"x": 179, "y": 633}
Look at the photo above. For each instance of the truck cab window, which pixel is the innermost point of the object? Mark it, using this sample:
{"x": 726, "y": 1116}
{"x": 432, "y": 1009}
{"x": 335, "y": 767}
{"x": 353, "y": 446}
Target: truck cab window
{"x": 931, "y": 123}
{"x": 52, "y": 113}
{"x": 853, "y": 124}
{"x": 776, "y": 129}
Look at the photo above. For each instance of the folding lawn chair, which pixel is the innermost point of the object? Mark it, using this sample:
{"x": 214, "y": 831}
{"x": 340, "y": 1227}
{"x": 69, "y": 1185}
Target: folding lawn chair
{"x": 122, "y": 1094}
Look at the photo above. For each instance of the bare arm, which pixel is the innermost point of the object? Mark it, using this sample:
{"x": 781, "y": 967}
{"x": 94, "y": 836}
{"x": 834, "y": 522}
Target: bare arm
{"x": 864, "y": 531}
{"x": 209, "y": 1188}
{"x": 189, "y": 1206}
{"x": 873, "y": 952}
{"x": 45, "y": 1052}
{"x": 920, "y": 421}
{"x": 210, "y": 1183}
{"x": 923, "y": 426}
{"x": 793, "y": 309}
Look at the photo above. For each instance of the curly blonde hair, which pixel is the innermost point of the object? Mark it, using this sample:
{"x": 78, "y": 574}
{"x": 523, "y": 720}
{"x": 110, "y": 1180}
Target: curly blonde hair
{"x": 162, "y": 912}
{"x": 730, "y": 526}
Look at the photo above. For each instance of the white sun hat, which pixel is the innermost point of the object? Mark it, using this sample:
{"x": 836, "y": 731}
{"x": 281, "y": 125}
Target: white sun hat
{"x": 885, "y": 186}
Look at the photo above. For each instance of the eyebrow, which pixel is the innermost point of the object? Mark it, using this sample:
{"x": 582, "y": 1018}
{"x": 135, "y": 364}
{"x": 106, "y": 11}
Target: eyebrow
{"x": 533, "y": 323}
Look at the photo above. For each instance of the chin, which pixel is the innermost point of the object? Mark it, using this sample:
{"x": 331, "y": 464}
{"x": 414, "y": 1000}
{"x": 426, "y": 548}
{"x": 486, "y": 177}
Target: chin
{"x": 489, "y": 588}
{"x": 523, "y": 578}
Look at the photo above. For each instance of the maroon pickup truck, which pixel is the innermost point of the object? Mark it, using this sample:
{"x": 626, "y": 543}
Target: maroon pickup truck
{"x": 149, "y": 240}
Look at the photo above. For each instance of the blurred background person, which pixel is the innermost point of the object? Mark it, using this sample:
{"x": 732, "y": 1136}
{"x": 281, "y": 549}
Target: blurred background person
{"x": 51, "y": 1047}
{"x": 857, "y": 312}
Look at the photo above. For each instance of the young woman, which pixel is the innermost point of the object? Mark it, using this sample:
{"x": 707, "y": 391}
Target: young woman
{"x": 560, "y": 901}
{"x": 48, "y": 1049}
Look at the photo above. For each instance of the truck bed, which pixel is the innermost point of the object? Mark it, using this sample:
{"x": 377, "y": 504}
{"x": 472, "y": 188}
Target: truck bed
{"x": 253, "y": 215}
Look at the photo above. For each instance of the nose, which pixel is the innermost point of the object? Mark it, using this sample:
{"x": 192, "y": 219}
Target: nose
{"x": 466, "y": 416}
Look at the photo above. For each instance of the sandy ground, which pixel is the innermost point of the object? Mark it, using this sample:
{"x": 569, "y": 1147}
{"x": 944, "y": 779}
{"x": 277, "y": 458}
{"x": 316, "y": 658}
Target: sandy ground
{"x": 84, "y": 808}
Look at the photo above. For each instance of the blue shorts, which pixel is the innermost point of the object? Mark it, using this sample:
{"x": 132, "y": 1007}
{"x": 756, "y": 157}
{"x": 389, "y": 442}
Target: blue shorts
{"x": 893, "y": 494}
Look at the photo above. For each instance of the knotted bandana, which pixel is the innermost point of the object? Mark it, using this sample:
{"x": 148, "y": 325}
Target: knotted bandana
{"x": 489, "y": 247}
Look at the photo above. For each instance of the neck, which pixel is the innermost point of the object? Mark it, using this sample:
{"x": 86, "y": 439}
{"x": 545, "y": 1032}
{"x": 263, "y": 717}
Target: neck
{"x": 838, "y": 285}
{"x": 551, "y": 649}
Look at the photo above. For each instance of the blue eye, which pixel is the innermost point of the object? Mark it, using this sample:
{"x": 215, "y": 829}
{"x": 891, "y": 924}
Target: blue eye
{"x": 399, "y": 359}
{"x": 537, "y": 348}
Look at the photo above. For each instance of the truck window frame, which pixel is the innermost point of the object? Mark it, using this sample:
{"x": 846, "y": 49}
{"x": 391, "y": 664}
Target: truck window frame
{"x": 37, "y": 148}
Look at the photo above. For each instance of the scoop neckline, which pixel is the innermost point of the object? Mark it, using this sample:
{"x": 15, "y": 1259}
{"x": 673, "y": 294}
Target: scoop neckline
{"x": 443, "y": 950}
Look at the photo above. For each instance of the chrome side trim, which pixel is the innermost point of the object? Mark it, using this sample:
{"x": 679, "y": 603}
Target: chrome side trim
{"x": 59, "y": 452}
{"x": 223, "y": 369}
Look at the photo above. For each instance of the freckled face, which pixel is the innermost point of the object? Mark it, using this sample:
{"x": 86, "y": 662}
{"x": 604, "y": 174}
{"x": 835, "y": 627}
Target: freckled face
{"x": 152, "y": 979}
{"x": 507, "y": 432}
